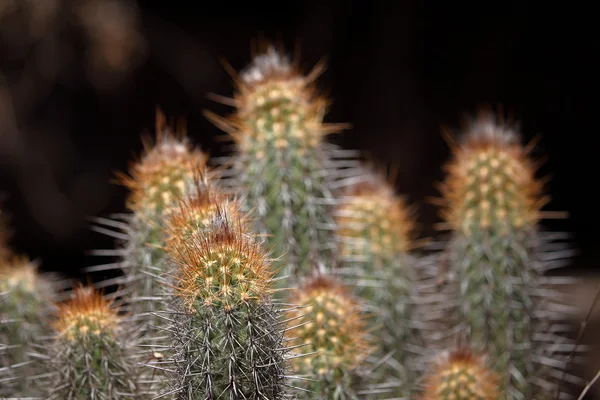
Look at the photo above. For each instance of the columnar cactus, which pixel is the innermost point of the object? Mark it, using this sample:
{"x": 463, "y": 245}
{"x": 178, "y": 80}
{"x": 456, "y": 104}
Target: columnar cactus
{"x": 90, "y": 358}
{"x": 163, "y": 176}
{"x": 282, "y": 165}
{"x": 25, "y": 306}
{"x": 375, "y": 233}
{"x": 492, "y": 204}
{"x": 226, "y": 333}
{"x": 461, "y": 375}
{"x": 330, "y": 331}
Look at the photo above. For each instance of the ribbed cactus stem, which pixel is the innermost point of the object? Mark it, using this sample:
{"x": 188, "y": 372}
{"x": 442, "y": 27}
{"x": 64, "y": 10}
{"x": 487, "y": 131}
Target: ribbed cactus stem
{"x": 226, "y": 330}
{"x": 492, "y": 204}
{"x": 90, "y": 356}
{"x": 165, "y": 174}
{"x": 461, "y": 375}
{"x": 375, "y": 230}
{"x": 25, "y": 306}
{"x": 282, "y": 165}
{"x": 331, "y": 330}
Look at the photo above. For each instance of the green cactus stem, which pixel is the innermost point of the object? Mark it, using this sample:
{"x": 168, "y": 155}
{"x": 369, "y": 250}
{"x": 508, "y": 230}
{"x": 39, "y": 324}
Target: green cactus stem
{"x": 282, "y": 165}
{"x": 228, "y": 342}
{"x": 92, "y": 354}
{"x": 492, "y": 205}
{"x": 25, "y": 306}
{"x": 375, "y": 234}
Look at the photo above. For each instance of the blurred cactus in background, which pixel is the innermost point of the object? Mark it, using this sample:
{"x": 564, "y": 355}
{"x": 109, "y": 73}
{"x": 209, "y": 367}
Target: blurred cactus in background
{"x": 332, "y": 331}
{"x": 492, "y": 203}
{"x": 461, "y": 375}
{"x": 375, "y": 231}
{"x": 25, "y": 306}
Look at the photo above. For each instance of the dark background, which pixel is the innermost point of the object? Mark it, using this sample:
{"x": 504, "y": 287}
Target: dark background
{"x": 397, "y": 71}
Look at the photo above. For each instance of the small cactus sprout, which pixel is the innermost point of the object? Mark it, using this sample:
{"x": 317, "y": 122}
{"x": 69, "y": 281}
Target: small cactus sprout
{"x": 25, "y": 305}
{"x": 492, "y": 204}
{"x": 332, "y": 332}
{"x": 282, "y": 166}
{"x": 226, "y": 334}
{"x": 375, "y": 231}
{"x": 461, "y": 375}
{"x": 89, "y": 358}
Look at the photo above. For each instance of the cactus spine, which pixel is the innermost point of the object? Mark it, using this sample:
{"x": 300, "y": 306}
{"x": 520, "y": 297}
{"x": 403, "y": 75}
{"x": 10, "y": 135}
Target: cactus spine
{"x": 226, "y": 333}
{"x": 330, "y": 327}
{"x": 90, "y": 358}
{"x": 375, "y": 229}
{"x": 492, "y": 204}
{"x": 25, "y": 305}
{"x": 282, "y": 165}
{"x": 461, "y": 375}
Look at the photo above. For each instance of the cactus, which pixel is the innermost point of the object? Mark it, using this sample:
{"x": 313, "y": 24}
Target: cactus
{"x": 90, "y": 357}
{"x": 492, "y": 203}
{"x": 331, "y": 330}
{"x": 225, "y": 328}
{"x": 165, "y": 174}
{"x": 375, "y": 232}
{"x": 25, "y": 305}
{"x": 461, "y": 375}
{"x": 282, "y": 165}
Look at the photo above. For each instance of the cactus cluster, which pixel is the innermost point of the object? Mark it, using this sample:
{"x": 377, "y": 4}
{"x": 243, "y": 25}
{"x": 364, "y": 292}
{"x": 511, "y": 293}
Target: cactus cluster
{"x": 293, "y": 274}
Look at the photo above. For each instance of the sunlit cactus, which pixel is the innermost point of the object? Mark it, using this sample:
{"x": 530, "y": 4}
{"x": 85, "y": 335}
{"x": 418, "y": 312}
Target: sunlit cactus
{"x": 492, "y": 204}
{"x": 25, "y": 306}
{"x": 330, "y": 331}
{"x": 91, "y": 356}
{"x": 461, "y": 375}
{"x": 375, "y": 230}
{"x": 283, "y": 166}
{"x": 226, "y": 332}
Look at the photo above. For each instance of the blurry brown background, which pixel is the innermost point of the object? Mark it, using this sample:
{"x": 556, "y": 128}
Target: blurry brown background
{"x": 80, "y": 79}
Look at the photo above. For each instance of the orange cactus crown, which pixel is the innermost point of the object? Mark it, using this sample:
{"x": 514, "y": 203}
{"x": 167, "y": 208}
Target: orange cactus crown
{"x": 491, "y": 181}
{"x": 222, "y": 266}
{"x": 165, "y": 169}
{"x": 371, "y": 211}
{"x": 461, "y": 375}
{"x": 328, "y": 322}
{"x": 87, "y": 313}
